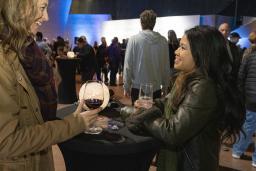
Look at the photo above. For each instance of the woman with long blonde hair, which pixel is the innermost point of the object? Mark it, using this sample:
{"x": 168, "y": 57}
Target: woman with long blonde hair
{"x": 26, "y": 92}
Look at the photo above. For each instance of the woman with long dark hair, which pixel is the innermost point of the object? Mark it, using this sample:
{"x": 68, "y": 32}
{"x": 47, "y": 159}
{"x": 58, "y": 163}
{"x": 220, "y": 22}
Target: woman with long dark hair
{"x": 203, "y": 108}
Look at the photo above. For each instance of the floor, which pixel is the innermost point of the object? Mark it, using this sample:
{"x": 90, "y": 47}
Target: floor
{"x": 227, "y": 163}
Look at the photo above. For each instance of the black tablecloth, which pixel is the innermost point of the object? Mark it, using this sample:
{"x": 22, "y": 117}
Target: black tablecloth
{"x": 95, "y": 152}
{"x": 67, "y": 86}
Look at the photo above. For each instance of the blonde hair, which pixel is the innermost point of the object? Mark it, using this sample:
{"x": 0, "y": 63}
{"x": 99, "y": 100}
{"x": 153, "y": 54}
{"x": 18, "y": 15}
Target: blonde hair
{"x": 252, "y": 37}
{"x": 16, "y": 18}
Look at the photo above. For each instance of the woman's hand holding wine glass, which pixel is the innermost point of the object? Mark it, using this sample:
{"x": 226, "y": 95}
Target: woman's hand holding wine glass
{"x": 93, "y": 97}
{"x": 89, "y": 116}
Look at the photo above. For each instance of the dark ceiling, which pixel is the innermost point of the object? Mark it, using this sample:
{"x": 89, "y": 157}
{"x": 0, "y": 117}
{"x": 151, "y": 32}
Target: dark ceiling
{"x": 126, "y": 9}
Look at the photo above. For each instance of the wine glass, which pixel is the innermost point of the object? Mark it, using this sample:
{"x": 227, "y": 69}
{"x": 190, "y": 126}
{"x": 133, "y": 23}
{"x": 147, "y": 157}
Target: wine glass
{"x": 93, "y": 96}
{"x": 146, "y": 95}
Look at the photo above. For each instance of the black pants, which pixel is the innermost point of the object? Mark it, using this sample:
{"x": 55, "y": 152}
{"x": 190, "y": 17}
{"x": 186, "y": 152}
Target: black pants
{"x": 86, "y": 75}
{"x": 113, "y": 72}
{"x": 135, "y": 94}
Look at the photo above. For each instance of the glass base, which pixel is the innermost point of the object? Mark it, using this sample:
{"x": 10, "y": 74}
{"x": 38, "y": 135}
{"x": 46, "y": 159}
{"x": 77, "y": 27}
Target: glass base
{"x": 94, "y": 130}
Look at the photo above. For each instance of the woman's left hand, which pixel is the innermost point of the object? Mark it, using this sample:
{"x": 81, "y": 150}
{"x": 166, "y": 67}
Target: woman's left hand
{"x": 140, "y": 103}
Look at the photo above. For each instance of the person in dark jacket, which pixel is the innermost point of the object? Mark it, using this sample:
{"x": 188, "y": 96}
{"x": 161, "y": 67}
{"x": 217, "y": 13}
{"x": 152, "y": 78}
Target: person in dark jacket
{"x": 235, "y": 55}
{"x": 195, "y": 116}
{"x": 60, "y": 42}
{"x": 114, "y": 55}
{"x": 87, "y": 60}
{"x": 247, "y": 84}
{"x": 102, "y": 60}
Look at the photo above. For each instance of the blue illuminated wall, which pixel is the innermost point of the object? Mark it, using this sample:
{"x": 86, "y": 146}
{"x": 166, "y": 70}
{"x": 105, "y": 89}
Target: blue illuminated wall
{"x": 215, "y": 20}
{"x": 87, "y": 25}
{"x": 244, "y": 32}
{"x": 61, "y": 23}
{"x": 58, "y": 11}
{"x": 64, "y": 12}
{"x": 74, "y": 25}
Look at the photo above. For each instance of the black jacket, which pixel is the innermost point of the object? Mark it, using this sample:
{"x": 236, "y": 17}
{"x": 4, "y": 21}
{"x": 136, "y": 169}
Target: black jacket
{"x": 247, "y": 80}
{"x": 235, "y": 60}
{"x": 191, "y": 132}
{"x": 87, "y": 58}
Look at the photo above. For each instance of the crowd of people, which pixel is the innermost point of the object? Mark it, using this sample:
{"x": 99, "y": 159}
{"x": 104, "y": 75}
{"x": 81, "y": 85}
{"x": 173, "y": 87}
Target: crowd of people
{"x": 211, "y": 87}
{"x": 95, "y": 61}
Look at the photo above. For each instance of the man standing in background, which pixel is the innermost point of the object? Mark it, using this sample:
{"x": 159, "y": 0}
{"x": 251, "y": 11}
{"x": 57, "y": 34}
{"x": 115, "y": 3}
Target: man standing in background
{"x": 114, "y": 55}
{"x": 233, "y": 51}
{"x": 102, "y": 60}
{"x": 146, "y": 59}
{"x": 87, "y": 60}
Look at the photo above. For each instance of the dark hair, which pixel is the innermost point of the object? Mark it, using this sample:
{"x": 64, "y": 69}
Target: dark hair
{"x": 208, "y": 48}
{"x": 252, "y": 37}
{"x": 115, "y": 40}
{"x": 81, "y": 40}
{"x": 39, "y": 36}
{"x": 172, "y": 39}
{"x": 234, "y": 34}
{"x": 148, "y": 19}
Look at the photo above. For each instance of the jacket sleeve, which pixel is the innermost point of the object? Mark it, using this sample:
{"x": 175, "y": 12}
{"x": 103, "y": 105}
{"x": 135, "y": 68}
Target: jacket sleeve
{"x": 17, "y": 140}
{"x": 196, "y": 111}
{"x": 242, "y": 75}
{"x": 128, "y": 64}
{"x": 160, "y": 102}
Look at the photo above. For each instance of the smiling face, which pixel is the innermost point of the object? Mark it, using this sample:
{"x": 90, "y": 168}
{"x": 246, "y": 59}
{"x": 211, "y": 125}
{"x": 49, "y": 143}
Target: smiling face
{"x": 42, "y": 15}
{"x": 184, "y": 60}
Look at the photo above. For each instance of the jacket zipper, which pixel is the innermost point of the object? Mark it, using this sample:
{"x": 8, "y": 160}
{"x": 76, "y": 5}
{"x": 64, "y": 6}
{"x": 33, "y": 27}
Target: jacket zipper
{"x": 189, "y": 159}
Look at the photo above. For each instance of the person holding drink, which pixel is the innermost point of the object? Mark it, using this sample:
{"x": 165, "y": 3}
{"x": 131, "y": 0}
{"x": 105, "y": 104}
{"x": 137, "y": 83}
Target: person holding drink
{"x": 25, "y": 139}
{"x": 95, "y": 94}
{"x": 203, "y": 108}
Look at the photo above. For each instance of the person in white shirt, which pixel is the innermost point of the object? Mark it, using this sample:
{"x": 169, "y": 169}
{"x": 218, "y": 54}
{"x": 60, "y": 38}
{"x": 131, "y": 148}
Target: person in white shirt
{"x": 146, "y": 59}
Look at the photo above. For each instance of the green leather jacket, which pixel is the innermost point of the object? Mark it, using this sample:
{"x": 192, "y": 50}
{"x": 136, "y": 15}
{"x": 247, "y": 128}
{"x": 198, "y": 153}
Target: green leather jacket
{"x": 190, "y": 133}
{"x": 25, "y": 140}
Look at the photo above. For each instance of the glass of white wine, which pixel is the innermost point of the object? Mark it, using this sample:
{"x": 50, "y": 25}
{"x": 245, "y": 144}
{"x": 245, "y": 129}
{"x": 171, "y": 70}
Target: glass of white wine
{"x": 146, "y": 95}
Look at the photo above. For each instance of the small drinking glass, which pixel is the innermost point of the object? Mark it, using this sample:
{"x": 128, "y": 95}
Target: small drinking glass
{"x": 146, "y": 95}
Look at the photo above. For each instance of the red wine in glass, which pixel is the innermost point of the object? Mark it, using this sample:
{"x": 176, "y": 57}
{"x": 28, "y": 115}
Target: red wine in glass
{"x": 93, "y": 103}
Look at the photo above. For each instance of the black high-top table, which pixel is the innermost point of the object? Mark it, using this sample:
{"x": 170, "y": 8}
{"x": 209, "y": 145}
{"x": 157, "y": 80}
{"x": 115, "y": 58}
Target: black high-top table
{"x": 67, "y": 86}
{"x": 87, "y": 152}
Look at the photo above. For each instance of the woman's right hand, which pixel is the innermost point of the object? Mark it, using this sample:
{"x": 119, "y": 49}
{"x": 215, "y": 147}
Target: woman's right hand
{"x": 89, "y": 116}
